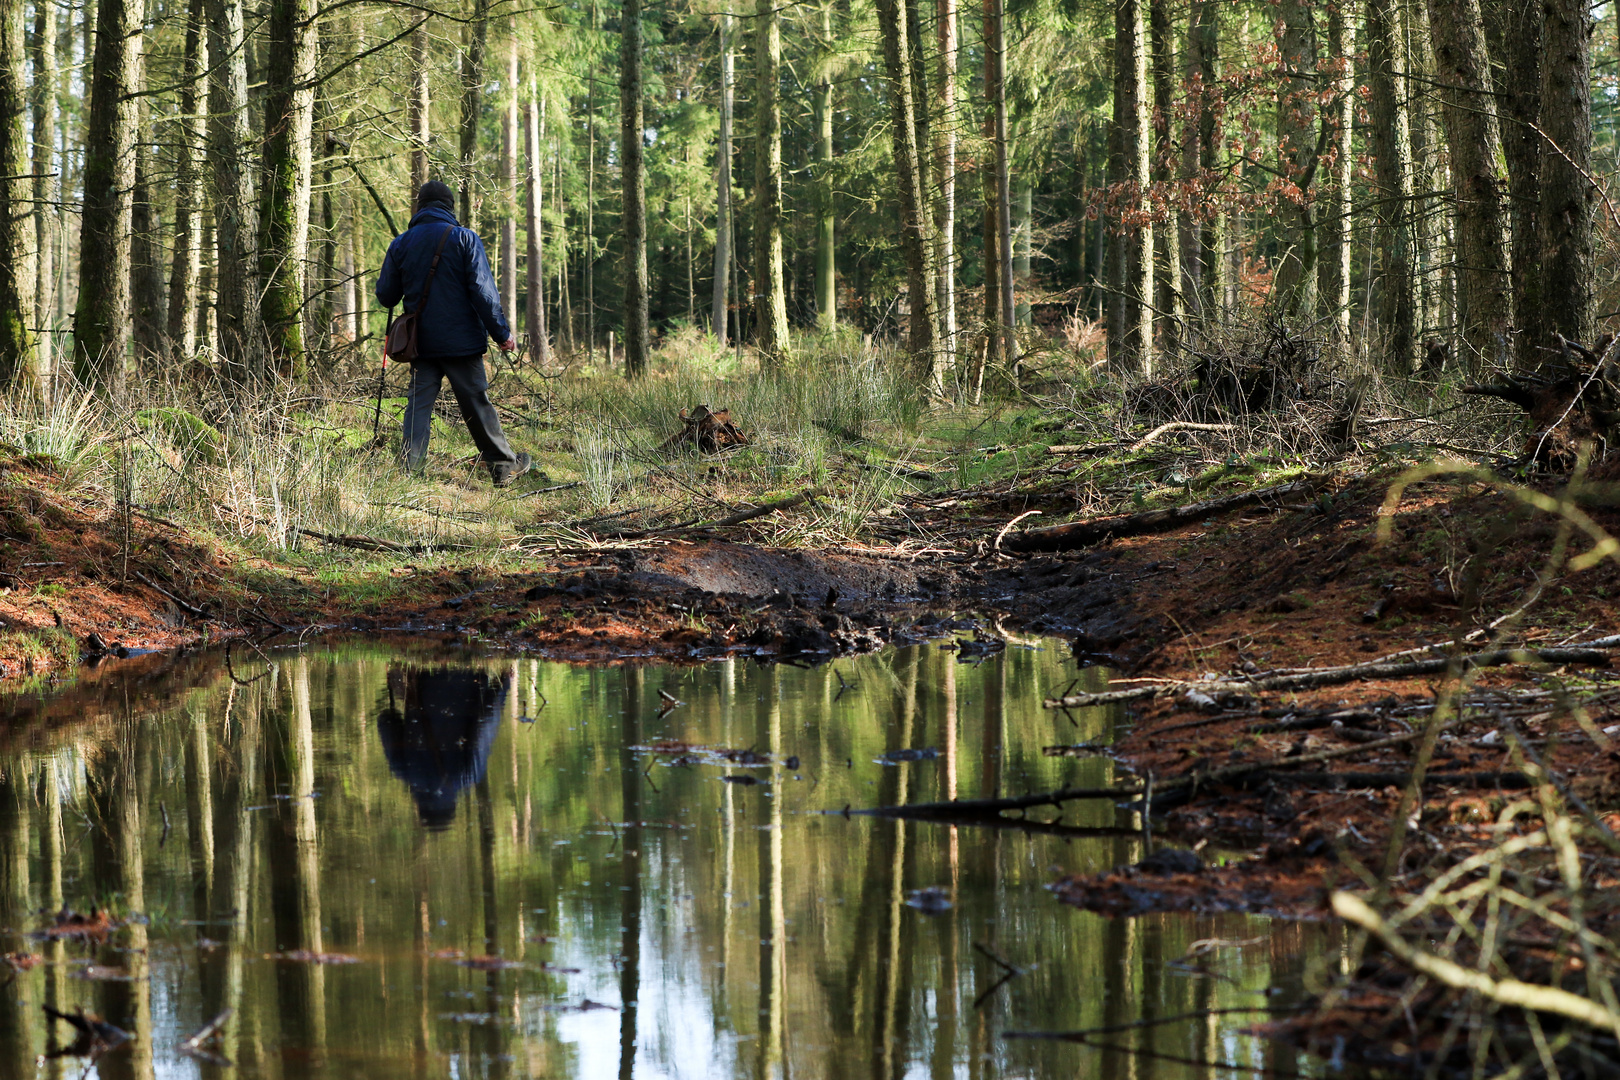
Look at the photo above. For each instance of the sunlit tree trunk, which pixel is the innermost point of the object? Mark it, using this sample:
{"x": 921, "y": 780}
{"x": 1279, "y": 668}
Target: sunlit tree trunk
{"x": 1297, "y": 134}
{"x": 1337, "y": 202}
{"x": 1568, "y": 197}
{"x": 533, "y": 228}
{"x": 1167, "y": 277}
{"x": 945, "y": 167}
{"x": 289, "y": 114}
{"x": 234, "y": 209}
{"x": 101, "y": 321}
{"x": 1212, "y": 281}
{"x": 720, "y": 313}
{"x": 148, "y": 306}
{"x": 509, "y": 176}
{"x": 916, "y": 232}
{"x": 1483, "y": 290}
{"x": 475, "y": 36}
{"x": 186, "y": 264}
{"x": 771, "y": 328}
{"x": 633, "y": 172}
{"x": 826, "y": 283}
{"x": 1023, "y": 248}
{"x": 1391, "y": 138}
{"x": 47, "y": 184}
{"x": 418, "y": 111}
{"x": 18, "y": 231}
{"x": 1514, "y": 32}
{"x": 1130, "y": 322}
{"x": 1431, "y": 223}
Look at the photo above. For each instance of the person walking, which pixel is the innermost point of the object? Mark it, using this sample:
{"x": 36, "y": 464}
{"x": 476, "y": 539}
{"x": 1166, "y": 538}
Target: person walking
{"x": 438, "y": 257}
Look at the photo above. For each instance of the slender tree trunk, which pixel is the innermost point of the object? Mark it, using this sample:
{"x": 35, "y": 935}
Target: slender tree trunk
{"x": 101, "y": 322}
{"x": 1212, "y": 235}
{"x": 476, "y": 34}
{"x": 1023, "y": 249}
{"x": 187, "y": 262}
{"x": 1131, "y": 277}
{"x": 771, "y": 331}
{"x": 720, "y": 314}
{"x": 284, "y": 214}
{"x": 1297, "y": 132}
{"x": 509, "y": 177}
{"x": 47, "y": 186}
{"x": 1336, "y": 123}
{"x": 996, "y": 52}
{"x": 589, "y": 266}
{"x": 235, "y": 217}
{"x": 994, "y": 330}
{"x": 533, "y": 225}
{"x": 1515, "y": 33}
{"x": 1463, "y": 70}
{"x": 147, "y": 303}
{"x": 18, "y": 234}
{"x": 418, "y": 112}
{"x": 363, "y": 277}
{"x": 916, "y": 239}
{"x": 826, "y": 283}
{"x": 633, "y": 171}
{"x": 1429, "y": 220}
{"x": 1391, "y": 138}
{"x": 1568, "y": 197}
{"x": 945, "y": 166}
{"x": 1167, "y": 279}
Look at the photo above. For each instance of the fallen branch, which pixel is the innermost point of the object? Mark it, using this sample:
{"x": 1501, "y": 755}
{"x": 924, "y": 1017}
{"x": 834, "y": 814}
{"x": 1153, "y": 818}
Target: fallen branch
{"x": 1336, "y": 676}
{"x": 1083, "y": 533}
{"x": 760, "y": 511}
{"x": 364, "y": 543}
{"x": 1177, "y": 425}
{"x": 189, "y": 609}
{"x": 1345, "y": 781}
{"x": 1511, "y": 992}
{"x": 956, "y": 809}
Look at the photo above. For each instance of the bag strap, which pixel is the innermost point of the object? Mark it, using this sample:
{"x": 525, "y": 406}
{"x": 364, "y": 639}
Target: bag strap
{"x": 434, "y": 269}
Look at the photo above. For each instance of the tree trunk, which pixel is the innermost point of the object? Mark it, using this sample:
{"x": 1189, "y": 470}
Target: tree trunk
{"x": 1568, "y": 197}
{"x": 289, "y": 115}
{"x": 1130, "y": 321}
{"x": 995, "y": 336}
{"x": 916, "y": 233}
{"x": 101, "y": 321}
{"x": 996, "y": 49}
{"x": 1023, "y": 247}
{"x": 1212, "y": 235}
{"x": 633, "y": 171}
{"x": 148, "y": 307}
{"x": 1297, "y": 134}
{"x": 187, "y": 262}
{"x": 1392, "y": 150}
{"x": 235, "y": 219}
{"x": 589, "y": 246}
{"x": 945, "y": 166}
{"x": 1515, "y": 32}
{"x": 47, "y": 186}
{"x": 826, "y": 282}
{"x": 18, "y": 232}
{"x": 509, "y": 177}
{"x": 533, "y": 225}
{"x": 1430, "y": 223}
{"x": 1483, "y": 288}
{"x": 771, "y": 331}
{"x": 720, "y": 313}
{"x": 476, "y": 34}
{"x": 1167, "y": 283}
{"x": 1338, "y": 203}
{"x": 418, "y": 112}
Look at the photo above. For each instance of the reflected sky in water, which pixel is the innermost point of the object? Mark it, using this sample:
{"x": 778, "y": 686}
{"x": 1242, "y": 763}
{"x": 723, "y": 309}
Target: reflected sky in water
{"x": 519, "y": 891}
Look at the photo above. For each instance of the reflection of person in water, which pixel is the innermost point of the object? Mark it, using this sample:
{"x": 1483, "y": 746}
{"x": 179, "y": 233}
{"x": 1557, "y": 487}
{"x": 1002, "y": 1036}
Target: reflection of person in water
{"x": 440, "y": 744}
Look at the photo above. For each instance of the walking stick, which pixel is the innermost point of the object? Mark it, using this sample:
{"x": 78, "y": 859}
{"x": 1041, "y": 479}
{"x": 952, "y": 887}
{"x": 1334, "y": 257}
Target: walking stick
{"x": 382, "y": 379}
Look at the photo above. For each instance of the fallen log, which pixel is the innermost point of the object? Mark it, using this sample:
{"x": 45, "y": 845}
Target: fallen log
{"x": 1079, "y": 534}
{"x": 1337, "y": 676}
{"x": 962, "y": 809}
{"x": 1346, "y": 781}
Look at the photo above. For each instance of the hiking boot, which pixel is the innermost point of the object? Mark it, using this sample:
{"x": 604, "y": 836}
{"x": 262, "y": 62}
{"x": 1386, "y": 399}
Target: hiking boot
{"x": 504, "y": 472}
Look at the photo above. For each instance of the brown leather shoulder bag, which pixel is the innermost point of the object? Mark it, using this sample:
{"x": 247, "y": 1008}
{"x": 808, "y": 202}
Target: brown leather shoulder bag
{"x": 400, "y": 343}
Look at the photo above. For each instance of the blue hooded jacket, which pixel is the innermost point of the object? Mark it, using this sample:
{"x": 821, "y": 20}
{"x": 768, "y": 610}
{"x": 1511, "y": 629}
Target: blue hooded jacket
{"x": 464, "y": 307}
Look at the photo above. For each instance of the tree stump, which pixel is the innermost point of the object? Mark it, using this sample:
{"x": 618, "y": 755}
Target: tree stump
{"x": 1571, "y": 400}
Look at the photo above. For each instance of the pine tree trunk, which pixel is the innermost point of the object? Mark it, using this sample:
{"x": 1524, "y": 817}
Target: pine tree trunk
{"x": 993, "y": 354}
{"x": 284, "y": 215}
{"x": 101, "y": 321}
{"x": 1297, "y": 134}
{"x": 147, "y": 304}
{"x": 1514, "y": 32}
{"x": 476, "y": 34}
{"x": 47, "y": 186}
{"x": 996, "y": 43}
{"x": 771, "y": 331}
{"x": 1391, "y": 138}
{"x": 509, "y": 177}
{"x": 945, "y": 166}
{"x": 720, "y": 313}
{"x": 1023, "y": 247}
{"x": 826, "y": 283}
{"x": 1338, "y": 202}
{"x": 18, "y": 235}
{"x": 418, "y": 112}
{"x": 1430, "y": 224}
{"x": 1131, "y": 273}
{"x": 533, "y": 226}
{"x": 1568, "y": 197}
{"x": 186, "y": 264}
{"x": 633, "y": 171}
{"x": 1212, "y": 235}
{"x": 235, "y": 217}
{"x": 1463, "y": 70}
{"x": 916, "y": 239}
{"x": 1167, "y": 278}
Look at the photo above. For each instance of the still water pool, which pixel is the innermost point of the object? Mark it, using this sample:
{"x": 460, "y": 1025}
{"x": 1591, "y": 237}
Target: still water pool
{"x": 414, "y": 860}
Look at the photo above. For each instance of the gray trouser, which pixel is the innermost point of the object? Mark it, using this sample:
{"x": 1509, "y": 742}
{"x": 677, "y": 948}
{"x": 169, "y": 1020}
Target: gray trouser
{"x": 471, "y": 387}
